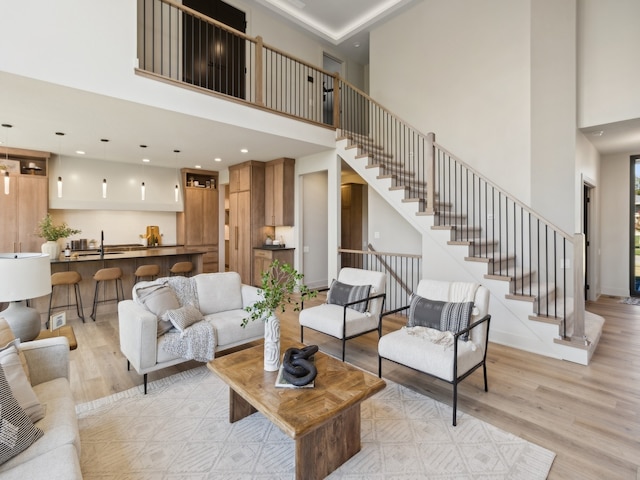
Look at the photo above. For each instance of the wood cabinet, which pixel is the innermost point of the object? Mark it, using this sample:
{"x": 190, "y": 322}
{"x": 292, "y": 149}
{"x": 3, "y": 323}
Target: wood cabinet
{"x": 197, "y": 224}
{"x": 27, "y": 201}
{"x": 279, "y": 192}
{"x": 262, "y": 258}
{"x": 246, "y": 216}
{"x": 351, "y": 223}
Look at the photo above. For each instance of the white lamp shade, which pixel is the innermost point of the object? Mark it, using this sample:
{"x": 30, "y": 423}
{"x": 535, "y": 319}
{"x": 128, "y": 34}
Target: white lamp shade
{"x": 24, "y": 276}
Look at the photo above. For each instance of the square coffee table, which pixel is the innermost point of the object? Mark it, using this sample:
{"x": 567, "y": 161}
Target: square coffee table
{"x": 324, "y": 421}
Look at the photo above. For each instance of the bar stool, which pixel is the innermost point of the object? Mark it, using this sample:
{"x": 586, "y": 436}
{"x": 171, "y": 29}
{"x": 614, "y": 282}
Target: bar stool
{"x": 181, "y": 268}
{"x": 143, "y": 271}
{"x": 68, "y": 279}
{"x": 104, "y": 275}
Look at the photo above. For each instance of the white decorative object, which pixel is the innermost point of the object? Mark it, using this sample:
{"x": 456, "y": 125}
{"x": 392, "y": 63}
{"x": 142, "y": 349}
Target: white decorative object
{"x": 272, "y": 343}
{"x": 51, "y": 248}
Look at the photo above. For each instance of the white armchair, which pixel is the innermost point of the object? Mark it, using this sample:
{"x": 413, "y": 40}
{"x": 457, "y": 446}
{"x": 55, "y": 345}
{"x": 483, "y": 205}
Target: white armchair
{"x": 348, "y": 312}
{"x": 448, "y": 356}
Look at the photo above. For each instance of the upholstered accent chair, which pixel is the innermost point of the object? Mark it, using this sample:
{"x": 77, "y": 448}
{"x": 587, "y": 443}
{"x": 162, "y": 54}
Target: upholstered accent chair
{"x": 447, "y": 333}
{"x": 355, "y": 302}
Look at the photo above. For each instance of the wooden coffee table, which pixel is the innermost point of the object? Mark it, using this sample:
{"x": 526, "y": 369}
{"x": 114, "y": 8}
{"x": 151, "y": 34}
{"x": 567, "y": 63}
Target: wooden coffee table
{"x": 324, "y": 421}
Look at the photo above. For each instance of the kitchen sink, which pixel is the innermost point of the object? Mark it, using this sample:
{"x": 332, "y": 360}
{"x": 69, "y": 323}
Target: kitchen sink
{"x": 97, "y": 254}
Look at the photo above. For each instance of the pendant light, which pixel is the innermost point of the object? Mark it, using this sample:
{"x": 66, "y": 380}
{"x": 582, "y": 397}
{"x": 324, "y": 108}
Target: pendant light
{"x": 177, "y": 190}
{"x": 142, "y": 191}
{"x": 104, "y": 180}
{"x": 7, "y": 178}
{"x": 60, "y": 134}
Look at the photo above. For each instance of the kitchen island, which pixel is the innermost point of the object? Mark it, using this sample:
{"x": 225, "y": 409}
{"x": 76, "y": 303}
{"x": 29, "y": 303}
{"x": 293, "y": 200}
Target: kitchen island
{"x": 88, "y": 262}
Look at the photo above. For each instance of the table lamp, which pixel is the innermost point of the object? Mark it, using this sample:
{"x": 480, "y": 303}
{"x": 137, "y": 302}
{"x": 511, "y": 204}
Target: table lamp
{"x": 23, "y": 276}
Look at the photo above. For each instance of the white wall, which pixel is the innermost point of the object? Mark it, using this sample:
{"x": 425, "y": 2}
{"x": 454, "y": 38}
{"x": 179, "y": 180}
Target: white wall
{"x": 614, "y": 231}
{"x": 553, "y": 112}
{"x": 395, "y": 234}
{"x": 463, "y": 73}
{"x": 609, "y": 66}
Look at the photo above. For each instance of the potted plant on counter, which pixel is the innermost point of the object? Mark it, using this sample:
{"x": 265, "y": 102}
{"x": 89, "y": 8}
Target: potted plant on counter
{"x": 52, "y": 233}
{"x": 281, "y": 286}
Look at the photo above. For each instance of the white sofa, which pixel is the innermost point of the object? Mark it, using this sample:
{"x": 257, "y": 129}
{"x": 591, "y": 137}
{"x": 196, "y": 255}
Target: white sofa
{"x": 220, "y": 297}
{"x": 56, "y": 455}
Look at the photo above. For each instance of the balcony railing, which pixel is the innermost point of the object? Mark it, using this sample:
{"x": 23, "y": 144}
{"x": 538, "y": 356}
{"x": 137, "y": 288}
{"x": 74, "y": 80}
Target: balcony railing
{"x": 179, "y": 44}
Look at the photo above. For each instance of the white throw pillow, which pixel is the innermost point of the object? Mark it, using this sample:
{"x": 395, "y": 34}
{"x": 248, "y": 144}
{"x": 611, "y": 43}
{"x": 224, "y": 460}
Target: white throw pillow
{"x": 17, "y": 379}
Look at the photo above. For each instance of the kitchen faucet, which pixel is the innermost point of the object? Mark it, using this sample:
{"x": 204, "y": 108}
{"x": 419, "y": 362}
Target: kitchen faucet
{"x": 101, "y": 243}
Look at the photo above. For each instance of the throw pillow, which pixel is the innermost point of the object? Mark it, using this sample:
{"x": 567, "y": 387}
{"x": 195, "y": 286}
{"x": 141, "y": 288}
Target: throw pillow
{"x": 17, "y": 431}
{"x": 19, "y": 383}
{"x": 443, "y": 316}
{"x": 158, "y": 299}
{"x": 184, "y": 317}
{"x": 342, "y": 293}
{"x": 6, "y": 335}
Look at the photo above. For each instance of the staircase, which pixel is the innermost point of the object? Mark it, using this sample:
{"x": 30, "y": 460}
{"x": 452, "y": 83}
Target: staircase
{"x": 472, "y": 230}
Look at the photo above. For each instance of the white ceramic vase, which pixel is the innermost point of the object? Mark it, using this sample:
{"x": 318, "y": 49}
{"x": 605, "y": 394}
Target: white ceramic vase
{"x": 272, "y": 343}
{"x": 52, "y": 248}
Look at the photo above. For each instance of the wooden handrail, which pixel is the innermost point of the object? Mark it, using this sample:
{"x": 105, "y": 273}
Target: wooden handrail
{"x": 389, "y": 269}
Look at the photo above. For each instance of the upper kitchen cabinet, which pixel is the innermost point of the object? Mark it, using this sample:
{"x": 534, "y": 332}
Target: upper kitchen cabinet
{"x": 25, "y": 204}
{"x": 197, "y": 225}
{"x": 278, "y": 193}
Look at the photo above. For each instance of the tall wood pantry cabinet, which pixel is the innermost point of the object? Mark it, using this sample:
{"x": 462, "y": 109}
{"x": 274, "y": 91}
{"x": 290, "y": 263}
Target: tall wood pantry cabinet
{"x": 246, "y": 216}
{"x": 197, "y": 224}
{"x": 27, "y": 201}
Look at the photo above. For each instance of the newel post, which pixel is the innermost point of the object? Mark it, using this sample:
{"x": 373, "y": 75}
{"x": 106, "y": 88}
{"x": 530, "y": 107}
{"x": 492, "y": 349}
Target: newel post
{"x": 430, "y": 159}
{"x": 578, "y": 287}
{"x": 258, "y": 71}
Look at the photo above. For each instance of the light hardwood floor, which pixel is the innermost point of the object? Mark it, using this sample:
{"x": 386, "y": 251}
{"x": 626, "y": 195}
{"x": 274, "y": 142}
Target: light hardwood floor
{"x": 589, "y": 416}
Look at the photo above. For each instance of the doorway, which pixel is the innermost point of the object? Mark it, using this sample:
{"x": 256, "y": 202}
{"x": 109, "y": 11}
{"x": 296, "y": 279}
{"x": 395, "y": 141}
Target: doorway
{"x": 333, "y": 65}
{"x": 634, "y": 227}
{"x": 213, "y": 57}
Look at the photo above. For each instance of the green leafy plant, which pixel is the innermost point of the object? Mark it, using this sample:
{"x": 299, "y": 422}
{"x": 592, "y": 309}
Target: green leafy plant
{"x": 281, "y": 286}
{"x": 51, "y": 232}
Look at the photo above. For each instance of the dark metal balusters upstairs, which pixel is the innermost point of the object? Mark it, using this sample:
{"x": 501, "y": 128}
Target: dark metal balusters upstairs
{"x": 179, "y": 45}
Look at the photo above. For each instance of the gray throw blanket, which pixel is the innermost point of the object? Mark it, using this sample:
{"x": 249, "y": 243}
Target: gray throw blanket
{"x": 197, "y": 342}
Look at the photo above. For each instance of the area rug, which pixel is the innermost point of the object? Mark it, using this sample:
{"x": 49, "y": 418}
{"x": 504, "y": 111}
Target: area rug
{"x": 180, "y": 430}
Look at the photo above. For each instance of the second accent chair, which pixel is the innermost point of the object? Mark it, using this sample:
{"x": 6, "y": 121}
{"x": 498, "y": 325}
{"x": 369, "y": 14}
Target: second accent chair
{"x": 355, "y": 302}
{"x": 446, "y": 335}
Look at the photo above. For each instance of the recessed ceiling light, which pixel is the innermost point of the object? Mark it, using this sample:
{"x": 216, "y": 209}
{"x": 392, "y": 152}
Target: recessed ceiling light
{"x": 61, "y": 134}
{"x": 244, "y": 150}
{"x": 357, "y": 44}
{"x": 80, "y": 152}
{"x": 146, "y": 160}
{"x": 597, "y": 133}
{"x": 217, "y": 159}
{"x": 198, "y": 166}
{"x": 143, "y": 146}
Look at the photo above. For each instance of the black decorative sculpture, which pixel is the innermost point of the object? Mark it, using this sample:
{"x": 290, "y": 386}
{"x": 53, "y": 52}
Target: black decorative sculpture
{"x": 297, "y": 369}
